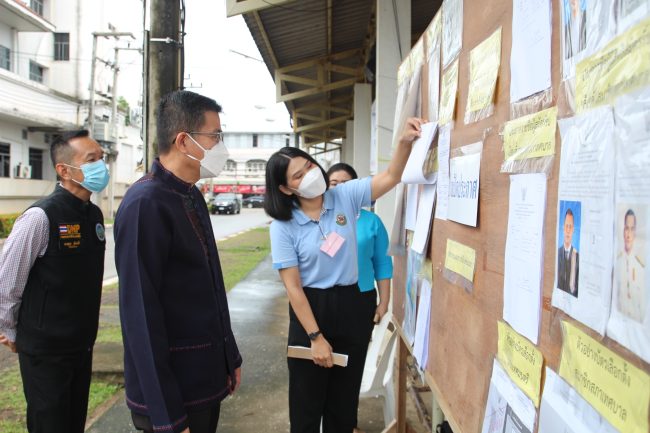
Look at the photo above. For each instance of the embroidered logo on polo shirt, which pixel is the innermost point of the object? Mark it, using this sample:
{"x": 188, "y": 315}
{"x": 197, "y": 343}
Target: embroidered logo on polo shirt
{"x": 341, "y": 220}
{"x": 101, "y": 233}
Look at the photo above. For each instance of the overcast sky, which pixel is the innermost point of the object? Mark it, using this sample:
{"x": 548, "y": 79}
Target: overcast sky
{"x": 242, "y": 86}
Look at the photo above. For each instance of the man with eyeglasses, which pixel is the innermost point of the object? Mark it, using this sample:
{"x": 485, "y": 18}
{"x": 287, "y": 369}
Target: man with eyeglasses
{"x": 180, "y": 355}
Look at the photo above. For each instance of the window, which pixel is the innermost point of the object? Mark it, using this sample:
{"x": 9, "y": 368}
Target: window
{"x": 231, "y": 165}
{"x": 37, "y": 6}
{"x": 255, "y": 165}
{"x": 36, "y": 72}
{"x": 287, "y": 143}
{"x": 254, "y": 140}
{"x": 36, "y": 161}
{"x": 5, "y": 58}
{"x": 61, "y": 46}
{"x": 5, "y": 167}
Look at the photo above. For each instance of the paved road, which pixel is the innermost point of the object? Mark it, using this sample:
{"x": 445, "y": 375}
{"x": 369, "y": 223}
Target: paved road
{"x": 222, "y": 225}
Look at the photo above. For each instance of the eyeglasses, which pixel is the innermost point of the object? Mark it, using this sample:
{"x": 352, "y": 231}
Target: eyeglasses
{"x": 217, "y": 137}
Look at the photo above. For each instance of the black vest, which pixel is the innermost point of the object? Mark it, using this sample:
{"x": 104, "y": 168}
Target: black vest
{"x": 59, "y": 312}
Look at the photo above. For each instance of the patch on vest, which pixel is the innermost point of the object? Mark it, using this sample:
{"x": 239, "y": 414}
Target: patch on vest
{"x": 101, "y": 233}
{"x": 70, "y": 235}
{"x": 341, "y": 220}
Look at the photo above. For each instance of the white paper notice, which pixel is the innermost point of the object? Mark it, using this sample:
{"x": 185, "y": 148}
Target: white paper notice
{"x": 584, "y": 250}
{"x": 421, "y": 345}
{"x": 423, "y": 224}
{"x": 523, "y": 262}
{"x": 464, "y": 173}
{"x": 629, "y": 322}
{"x": 410, "y": 219}
{"x": 444, "y": 142}
{"x": 563, "y": 410}
{"x": 452, "y": 30}
{"x": 530, "y": 61}
{"x": 418, "y": 167}
{"x": 414, "y": 261}
{"x": 508, "y": 409}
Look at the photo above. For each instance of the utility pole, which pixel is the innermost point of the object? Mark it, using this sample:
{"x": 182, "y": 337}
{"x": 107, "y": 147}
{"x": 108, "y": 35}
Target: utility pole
{"x": 163, "y": 64}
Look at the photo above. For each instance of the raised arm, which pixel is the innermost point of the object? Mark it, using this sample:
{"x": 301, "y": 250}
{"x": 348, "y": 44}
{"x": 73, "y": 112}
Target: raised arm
{"x": 386, "y": 180}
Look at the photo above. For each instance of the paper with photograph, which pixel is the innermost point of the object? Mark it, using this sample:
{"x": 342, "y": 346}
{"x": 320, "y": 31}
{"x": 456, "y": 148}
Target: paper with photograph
{"x": 421, "y": 165}
{"x": 507, "y": 408}
{"x": 522, "y": 281}
{"x": 444, "y": 144}
{"x": 423, "y": 223}
{"x": 629, "y": 321}
{"x": 585, "y": 218}
{"x": 563, "y": 410}
{"x": 421, "y": 344}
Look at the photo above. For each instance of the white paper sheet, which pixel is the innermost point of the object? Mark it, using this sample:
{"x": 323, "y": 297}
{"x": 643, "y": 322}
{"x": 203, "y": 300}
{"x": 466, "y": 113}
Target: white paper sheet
{"x": 415, "y": 170}
{"x": 423, "y": 224}
{"x": 563, "y": 410}
{"x": 410, "y": 219}
{"x": 452, "y": 30}
{"x": 434, "y": 83}
{"x": 584, "y": 250}
{"x": 530, "y": 60}
{"x": 523, "y": 259}
{"x": 412, "y": 267}
{"x": 444, "y": 142}
{"x": 508, "y": 409}
{"x": 629, "y": 321}
{"x": 464, "y": 174}
{"x": 421, "y": 345}
{"x": 631, "y": 12}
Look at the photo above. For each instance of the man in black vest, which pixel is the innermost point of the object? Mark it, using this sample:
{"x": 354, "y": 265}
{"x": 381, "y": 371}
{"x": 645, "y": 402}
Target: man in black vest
{"x": 180, "y": 355}
{"x": 51, "y": 272}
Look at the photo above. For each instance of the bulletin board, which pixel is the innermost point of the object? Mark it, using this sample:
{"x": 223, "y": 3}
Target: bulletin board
{"x": 463, "y": 325}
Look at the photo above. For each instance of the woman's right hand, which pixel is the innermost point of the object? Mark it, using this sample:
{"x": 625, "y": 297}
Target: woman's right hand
{"x": 321, "y": 351}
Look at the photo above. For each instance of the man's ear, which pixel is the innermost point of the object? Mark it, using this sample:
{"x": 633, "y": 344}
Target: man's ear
{"x": 63, "y": 171}
{"x": 286, "y": 190}
{"x": 179, "y": 141}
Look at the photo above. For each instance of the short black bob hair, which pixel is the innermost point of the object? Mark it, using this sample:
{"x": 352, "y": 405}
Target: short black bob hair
{"x": 277, "y": 204}
{"x": 342, "y": 166}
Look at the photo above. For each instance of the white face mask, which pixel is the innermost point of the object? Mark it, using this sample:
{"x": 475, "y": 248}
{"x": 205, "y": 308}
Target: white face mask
{"x": 213, "y": 159}
{"x": 312, "y": 184}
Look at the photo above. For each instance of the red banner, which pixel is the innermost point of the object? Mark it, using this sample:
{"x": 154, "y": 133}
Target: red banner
{"x": 241, "y": 189}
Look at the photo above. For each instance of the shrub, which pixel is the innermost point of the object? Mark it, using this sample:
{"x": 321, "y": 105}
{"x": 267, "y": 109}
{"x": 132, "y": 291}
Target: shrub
{"x": 7, "y": 223}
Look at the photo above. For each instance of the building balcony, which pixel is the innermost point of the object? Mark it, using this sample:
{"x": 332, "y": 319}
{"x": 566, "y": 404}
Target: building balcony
{"x": 18, "y": 15}
{"x": 35, "y": 105}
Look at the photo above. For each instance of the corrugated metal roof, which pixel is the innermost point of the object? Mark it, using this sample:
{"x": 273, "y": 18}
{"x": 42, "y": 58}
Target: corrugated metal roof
{"x": 294, "y": 32}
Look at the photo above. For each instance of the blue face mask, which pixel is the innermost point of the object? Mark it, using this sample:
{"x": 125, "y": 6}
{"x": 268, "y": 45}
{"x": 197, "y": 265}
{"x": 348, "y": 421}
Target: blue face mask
{"x": 96, "y": 175}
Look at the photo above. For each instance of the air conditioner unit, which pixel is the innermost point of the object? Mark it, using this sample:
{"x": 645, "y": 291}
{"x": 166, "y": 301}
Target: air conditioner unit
{"x": 23, "y": 171}
{"x": 102, "y": 131}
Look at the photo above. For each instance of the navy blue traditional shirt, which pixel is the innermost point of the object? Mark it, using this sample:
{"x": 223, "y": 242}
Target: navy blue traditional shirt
{"x": 179, "y": 349}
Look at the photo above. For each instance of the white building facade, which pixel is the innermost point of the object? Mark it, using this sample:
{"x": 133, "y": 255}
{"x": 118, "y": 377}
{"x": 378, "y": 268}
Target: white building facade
{"x": 45, "y": 74}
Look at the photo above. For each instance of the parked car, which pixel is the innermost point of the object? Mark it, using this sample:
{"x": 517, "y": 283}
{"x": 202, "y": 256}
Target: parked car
{"x": 253, "y": 201}
{"x": 226, "y": 202}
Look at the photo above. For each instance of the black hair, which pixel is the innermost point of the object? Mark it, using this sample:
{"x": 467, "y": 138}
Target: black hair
{"x": 181, "y": 111}
{"x": 569, "y": 212}
{"x": 60, "y": 150}
{"x": 277, "y": 204}
{"x": 631, "y": 213}
{"x": 342, "y": 166}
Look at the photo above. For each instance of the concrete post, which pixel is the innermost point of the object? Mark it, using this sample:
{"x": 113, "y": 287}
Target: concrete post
{"x": 346, "y": 150}
{"x": 393, "y": 44}
{"x": 361, "y": 148}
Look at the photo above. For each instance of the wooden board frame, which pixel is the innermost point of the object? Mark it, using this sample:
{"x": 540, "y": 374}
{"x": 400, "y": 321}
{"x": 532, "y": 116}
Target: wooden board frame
{"x": 463, "y": 328}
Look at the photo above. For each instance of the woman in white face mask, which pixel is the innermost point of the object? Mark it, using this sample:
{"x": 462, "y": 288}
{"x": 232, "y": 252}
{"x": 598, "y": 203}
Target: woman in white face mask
{"x": 314, "y": 247}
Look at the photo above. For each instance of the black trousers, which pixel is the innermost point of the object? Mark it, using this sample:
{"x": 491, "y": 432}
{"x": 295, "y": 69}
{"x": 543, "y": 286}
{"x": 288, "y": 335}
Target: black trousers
{"x": 203, "y": 421}
{"x": 345, "y": 316}
{"x": 56, "y": 389}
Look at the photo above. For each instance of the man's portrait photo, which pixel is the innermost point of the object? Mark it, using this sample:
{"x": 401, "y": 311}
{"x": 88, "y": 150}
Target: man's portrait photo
{"x": 568, "y": 258}
{"x": 630, "y": 262}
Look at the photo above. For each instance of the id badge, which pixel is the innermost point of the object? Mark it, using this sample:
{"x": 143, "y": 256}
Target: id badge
{"x": 332, "y": 244}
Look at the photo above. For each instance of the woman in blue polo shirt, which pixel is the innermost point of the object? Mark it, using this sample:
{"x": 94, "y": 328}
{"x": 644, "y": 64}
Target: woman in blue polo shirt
{"x": 314, "y": 247}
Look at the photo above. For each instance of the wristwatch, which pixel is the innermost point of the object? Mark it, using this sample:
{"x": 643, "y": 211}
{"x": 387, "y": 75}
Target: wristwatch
{"x": 314, "y": 335}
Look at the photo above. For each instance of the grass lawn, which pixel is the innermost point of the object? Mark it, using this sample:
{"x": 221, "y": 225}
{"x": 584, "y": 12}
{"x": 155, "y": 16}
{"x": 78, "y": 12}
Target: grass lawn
{"x": 12, "y": 400}
{"x": 241, "y": 254}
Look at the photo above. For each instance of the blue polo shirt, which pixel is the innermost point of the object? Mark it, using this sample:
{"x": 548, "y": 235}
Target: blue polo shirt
{"x": 297, "y": 242}
{"x": 374, "y": 262}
